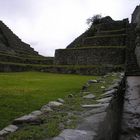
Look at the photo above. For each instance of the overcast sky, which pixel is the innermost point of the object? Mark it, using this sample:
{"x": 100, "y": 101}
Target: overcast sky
{"x": 52, "y": 24}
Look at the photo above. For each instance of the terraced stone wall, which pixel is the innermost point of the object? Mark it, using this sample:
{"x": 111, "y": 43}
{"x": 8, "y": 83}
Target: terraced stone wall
{"x": 90, "y": 56}
{"x": 133, "y": 45}
{"x": 112, "y": 27}
{"x": 9, "y": 42}
{"x": 136, "y": 20}
{"x": 108, "y": 40}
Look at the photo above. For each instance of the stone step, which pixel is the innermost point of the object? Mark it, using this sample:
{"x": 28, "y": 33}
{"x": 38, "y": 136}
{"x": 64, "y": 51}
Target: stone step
{"x": 117, "y": 25}
{"x": 25, "y": 59}
{"x": 110, "y": 32}
{"x": 107, "y": 40}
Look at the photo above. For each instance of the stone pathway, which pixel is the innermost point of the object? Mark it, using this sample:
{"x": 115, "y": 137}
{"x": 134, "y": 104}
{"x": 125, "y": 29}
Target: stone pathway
{"x": 131, "y": 114}
{"x": 88, "y": 127}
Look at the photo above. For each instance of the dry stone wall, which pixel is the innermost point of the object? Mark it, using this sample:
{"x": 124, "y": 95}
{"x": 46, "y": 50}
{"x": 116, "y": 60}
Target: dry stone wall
{"x": 90, "y": 56}
{"x": 136, "y": 20}
{"x": 111, "y": 40}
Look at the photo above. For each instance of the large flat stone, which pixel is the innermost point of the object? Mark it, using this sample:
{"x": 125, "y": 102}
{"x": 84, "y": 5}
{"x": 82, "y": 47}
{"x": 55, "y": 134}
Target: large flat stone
{"x": 94, "y": 105}
{"x": 3, "y": 132}
{"x": 46, "y": 108}
{"x": 11, "y": 128}
{"x": 104, "y": 100}
{"x": 8, "y": 129}
{"x": 109, "y": 93}
{"x": 89, "y": 96}
{"x": 54, "y": 104}
{"x": 27, "y": 119}
{"x": 60, "y": 100}
{"x": 92, "y": 81}
{"x": 36, "y": 113}
{"x": 72, "y": 134}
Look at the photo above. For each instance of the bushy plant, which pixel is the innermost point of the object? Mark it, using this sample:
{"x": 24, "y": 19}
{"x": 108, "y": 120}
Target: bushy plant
{"x": 94, "y": 19}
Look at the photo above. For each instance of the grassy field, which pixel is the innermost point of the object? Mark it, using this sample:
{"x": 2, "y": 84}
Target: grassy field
{"x": 21, "y": 93}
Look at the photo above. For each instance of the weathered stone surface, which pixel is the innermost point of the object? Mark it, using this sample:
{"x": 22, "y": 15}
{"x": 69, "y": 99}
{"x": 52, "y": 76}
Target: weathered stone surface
{"x": 109, "y": 93}
{"x": 27, "y": 119}
{"x": 94, "y": 105}
{"x": 8, "y": 129}
{"x": 60, "y": 100}
{"x": 72, "y": 134}
{"x": 3, "y": 132}
{"x": 36, "y": 113}
{"x": 89, "y": 96}
{"x": 46, "y": 108}
{"x": 92, "y": 122}
{"x": 11, "y": 128}
{"x": 136, "y": 15}
{"x": 54, "y": 104}
{"x": 92, "y": 81}
{"x": 137, "y": 52}
{"x": 89, "y": 56}
{"x": 104, "y": 100}
{"x": 94, "y": 111}
{"x": 131, "y": 114}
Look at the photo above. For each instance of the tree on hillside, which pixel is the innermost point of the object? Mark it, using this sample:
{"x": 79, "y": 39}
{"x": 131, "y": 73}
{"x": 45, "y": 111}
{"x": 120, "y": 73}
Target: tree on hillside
{"x": 94, "y": 19}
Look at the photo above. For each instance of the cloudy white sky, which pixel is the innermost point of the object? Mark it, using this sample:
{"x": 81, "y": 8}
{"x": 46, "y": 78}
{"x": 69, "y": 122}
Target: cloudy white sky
{"x": 52, "y": 24}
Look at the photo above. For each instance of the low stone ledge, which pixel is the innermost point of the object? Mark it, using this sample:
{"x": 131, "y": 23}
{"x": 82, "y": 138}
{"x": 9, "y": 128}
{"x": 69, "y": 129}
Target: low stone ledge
{"x": 36, "y": 113}
{"x": 54, "y": 104}
{"x": 104, "y": 100}
{"x": 92, "y": 81}
{"x": 8, "y": 129}
{"x": 60, "y": 100}
{"x": 94, "y": 105}
{"x": 109, "y": 93}
{"x": 89, "y": 96}
{"x": 73, "y": 134}
{"x": 27, "y": 119}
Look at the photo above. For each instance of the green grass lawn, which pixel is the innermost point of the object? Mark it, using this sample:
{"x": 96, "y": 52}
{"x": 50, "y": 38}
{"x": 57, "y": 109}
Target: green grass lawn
{"x": 21, "y": 93}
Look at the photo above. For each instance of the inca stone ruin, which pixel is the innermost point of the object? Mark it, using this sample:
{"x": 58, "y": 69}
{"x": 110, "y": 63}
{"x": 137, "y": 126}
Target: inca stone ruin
{"x": 107, "y": 46}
